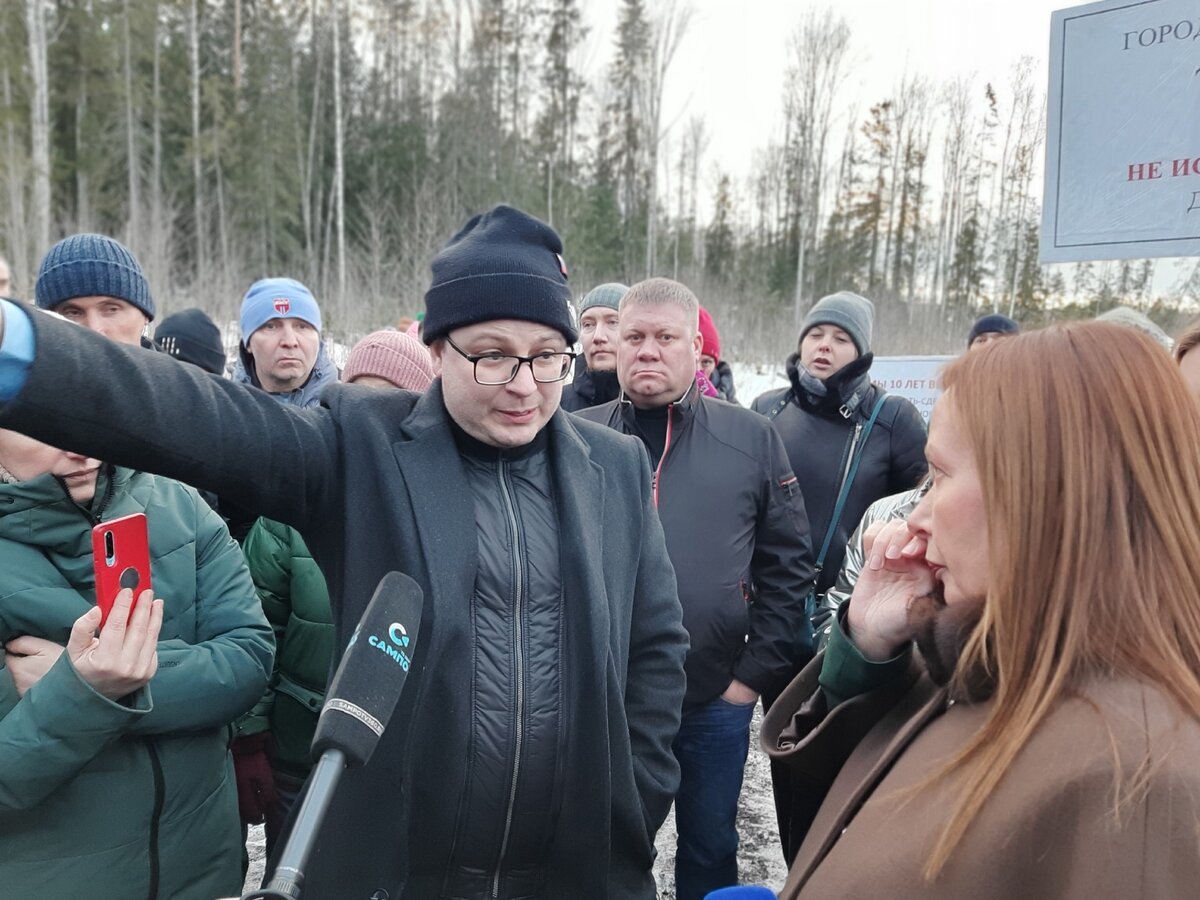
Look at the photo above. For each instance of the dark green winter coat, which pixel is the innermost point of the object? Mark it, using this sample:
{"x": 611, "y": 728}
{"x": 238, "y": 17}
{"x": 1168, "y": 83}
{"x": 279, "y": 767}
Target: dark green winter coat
{"x": 122, "y": 801}
{"x": 296, "y": 600}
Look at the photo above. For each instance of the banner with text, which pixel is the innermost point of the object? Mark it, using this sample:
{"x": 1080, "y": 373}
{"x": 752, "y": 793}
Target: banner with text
{"x": 1123, "y": 132}
{"x": 912, "y": 377}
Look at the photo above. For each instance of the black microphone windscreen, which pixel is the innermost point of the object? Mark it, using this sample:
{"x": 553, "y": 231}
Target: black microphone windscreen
{"x": 372, "y": 673}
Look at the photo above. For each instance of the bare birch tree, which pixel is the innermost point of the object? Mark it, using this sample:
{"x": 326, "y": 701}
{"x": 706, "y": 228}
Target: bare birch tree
{"x": 339, "y": 168}
{"x": 131, "y": 154}
{"x": 668, "y": 25}
{"x": 17, "y": 237}
{"x": 197, "y": 169}
{"x": 39, "y": 125}
{"x": 957, "y": 103}
{"x": 819, "y": 51}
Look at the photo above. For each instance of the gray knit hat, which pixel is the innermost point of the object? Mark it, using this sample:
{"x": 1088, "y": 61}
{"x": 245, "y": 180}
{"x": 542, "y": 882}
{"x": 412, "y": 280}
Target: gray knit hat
{"x": 850, "y": 312}
{"x": 609, "y": 295}
{"x": 92, "y": 265}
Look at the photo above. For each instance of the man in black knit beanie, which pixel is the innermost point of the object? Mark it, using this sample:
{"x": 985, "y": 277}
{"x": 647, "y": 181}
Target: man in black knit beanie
{"x": 534, "y": 759}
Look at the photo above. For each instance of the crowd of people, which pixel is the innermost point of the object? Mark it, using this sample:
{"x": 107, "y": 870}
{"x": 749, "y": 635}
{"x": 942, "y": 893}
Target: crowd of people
{"x": 978, "y": 655}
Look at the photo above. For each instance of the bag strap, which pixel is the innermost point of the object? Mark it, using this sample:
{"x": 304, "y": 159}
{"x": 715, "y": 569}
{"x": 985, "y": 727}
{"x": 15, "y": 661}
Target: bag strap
{"x": 848, "y": 480}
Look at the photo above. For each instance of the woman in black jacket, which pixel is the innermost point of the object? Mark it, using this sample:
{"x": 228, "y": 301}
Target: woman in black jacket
{"x": 830, "y": 413}
{"x": 823, "y": 416}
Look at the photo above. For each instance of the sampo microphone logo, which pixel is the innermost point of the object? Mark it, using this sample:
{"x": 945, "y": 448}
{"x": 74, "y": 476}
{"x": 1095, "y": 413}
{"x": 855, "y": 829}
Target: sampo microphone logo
{"x": 397, "y": 640}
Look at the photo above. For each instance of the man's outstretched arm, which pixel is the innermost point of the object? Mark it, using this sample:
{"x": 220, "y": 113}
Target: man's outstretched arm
{"x": 74, "y": 389}
{"x": 16, "y": 349}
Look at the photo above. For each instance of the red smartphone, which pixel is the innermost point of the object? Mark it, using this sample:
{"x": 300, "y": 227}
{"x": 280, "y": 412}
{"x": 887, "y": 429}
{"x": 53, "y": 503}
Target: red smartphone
{"x": 121, "y": 558}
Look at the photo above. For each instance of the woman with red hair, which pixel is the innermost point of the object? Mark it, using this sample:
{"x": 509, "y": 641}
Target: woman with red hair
{"x": 1042, "y": 739}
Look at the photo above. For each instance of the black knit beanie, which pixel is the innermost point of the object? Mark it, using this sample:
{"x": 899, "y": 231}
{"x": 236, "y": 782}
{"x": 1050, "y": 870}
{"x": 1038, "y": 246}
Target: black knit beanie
{"x": 994, "y": 322}
{"x": 193, "y": 337}
{"x": 504, "y": 264}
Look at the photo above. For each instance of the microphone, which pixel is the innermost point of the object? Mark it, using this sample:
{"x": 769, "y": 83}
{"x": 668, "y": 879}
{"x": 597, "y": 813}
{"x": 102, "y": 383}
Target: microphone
{"x": 372, "y": 673}
{"x": 358, "y": 705}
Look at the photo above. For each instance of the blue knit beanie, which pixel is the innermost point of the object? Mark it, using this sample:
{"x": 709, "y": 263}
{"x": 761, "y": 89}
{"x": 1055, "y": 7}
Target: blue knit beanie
{"x": 504, "y": 264}
{"x": 994, "y": 322}
{"x": 277, "y": 298}
{"x": 92, "y": 265}
{"x": 848, "y": 311}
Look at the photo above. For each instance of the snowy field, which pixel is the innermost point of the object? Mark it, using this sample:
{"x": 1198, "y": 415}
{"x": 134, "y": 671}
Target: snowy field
{"x": 752, "y": 380}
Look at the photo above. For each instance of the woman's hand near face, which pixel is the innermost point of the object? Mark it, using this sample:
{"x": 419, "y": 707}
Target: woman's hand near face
{"x": 895, "y": 574}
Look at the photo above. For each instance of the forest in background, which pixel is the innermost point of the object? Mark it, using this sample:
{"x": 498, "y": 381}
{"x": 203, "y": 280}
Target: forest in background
{"x": 342, "y": 142}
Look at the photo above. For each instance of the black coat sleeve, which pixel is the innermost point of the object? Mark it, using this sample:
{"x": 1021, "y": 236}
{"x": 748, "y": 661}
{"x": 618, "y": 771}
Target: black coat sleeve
{"x": 762, "y": 403}
{"x": 908, "y": 465}
{"x": 781, "y": 635}
{"x": 145, "y": 410}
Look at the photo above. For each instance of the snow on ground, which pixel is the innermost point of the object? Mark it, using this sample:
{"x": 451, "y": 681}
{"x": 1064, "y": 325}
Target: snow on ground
{"x": 760, "y": 859}
{"x": 752, "y": 379}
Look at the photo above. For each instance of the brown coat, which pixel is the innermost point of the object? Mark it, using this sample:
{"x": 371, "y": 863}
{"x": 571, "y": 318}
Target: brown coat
{"x": 1047, "y": 833}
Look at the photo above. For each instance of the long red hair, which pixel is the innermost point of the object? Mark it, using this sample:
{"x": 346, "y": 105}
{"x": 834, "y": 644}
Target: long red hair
{"x": 1088, "y": 449}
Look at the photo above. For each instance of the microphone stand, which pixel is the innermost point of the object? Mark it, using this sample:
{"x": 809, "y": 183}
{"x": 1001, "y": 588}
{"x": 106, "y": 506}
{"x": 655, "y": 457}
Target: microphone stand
{"x": 288, "y": 879}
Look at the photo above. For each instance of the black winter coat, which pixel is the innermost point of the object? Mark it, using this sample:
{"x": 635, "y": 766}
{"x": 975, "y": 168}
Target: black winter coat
{"x": 818, "y": 433}
{"x": 738, "y": 537}
{"x": 374, "y": 482}
{"x": 590, "y": 389}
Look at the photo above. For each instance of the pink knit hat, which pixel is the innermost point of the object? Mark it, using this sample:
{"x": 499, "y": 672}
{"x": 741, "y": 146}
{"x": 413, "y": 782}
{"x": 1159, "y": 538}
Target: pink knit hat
{"x": 393, "y": 356}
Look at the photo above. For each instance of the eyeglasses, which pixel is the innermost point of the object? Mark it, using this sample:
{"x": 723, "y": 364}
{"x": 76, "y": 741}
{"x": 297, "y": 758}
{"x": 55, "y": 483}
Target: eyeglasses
{"x": 498, "y": 368}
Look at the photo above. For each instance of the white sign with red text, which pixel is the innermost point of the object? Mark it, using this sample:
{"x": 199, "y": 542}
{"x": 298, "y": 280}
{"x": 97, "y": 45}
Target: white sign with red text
{"x": 1123, "y": 132}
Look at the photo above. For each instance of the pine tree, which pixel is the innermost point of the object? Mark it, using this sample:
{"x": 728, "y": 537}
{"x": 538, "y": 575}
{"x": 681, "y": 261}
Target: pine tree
{"x": 719, "y": 245}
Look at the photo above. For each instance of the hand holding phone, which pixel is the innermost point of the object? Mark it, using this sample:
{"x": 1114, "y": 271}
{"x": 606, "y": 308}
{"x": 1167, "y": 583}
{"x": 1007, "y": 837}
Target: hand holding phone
{"x": 121, "y": 559}
{"x": 124, "y": 657}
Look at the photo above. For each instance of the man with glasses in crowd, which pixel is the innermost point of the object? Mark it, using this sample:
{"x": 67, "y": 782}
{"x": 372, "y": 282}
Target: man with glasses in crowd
{"x": 535, "y": 757}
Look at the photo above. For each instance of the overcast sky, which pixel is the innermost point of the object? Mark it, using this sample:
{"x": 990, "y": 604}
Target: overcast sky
{"x": 730, "y": 65}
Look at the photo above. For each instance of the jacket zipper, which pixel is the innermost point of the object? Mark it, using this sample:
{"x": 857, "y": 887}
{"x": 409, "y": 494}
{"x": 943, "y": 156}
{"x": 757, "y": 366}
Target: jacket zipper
{"x": 518, "y": 666}
{"x": 96, "y": 513}
{"x": 159, "y": 798}
{"x": 850, "y": 456}
{"x": 662, "y": 459}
